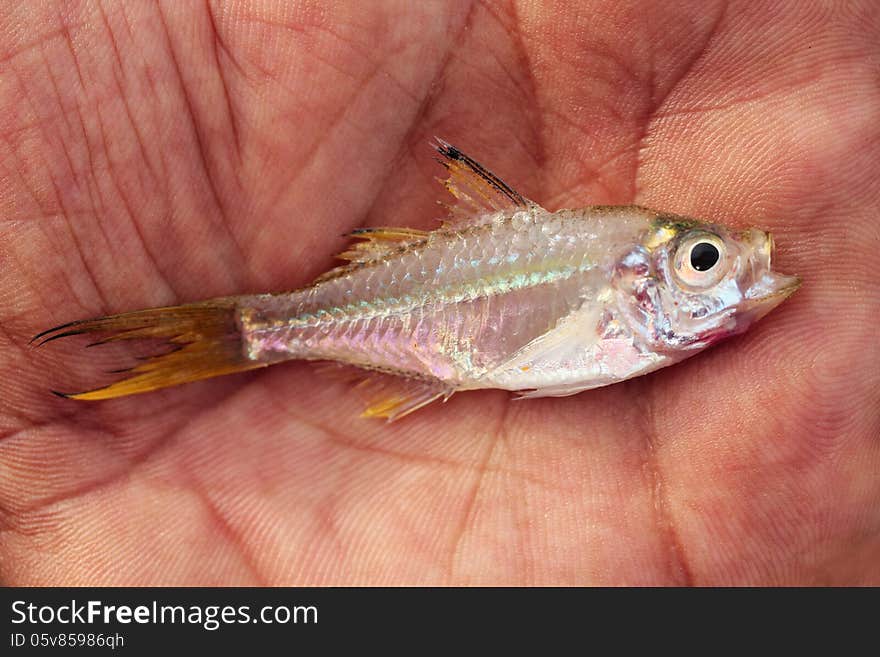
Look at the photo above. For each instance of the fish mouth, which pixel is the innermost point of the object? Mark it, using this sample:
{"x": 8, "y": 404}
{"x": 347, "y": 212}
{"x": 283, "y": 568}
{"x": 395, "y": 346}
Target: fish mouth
{"x": 769, "y": 288}
{"x": 768, "y": 292}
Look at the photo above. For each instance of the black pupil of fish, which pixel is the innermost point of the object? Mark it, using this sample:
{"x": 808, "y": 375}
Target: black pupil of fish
{"x": 704, "y": 256}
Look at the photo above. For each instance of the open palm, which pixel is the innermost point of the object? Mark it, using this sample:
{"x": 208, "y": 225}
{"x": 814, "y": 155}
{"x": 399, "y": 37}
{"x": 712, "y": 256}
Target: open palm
{"x": 157, "y": 154}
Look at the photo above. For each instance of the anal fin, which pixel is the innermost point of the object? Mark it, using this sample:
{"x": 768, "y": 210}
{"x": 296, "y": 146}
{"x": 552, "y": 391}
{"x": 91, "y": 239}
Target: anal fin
{"x": 387, "y": 396}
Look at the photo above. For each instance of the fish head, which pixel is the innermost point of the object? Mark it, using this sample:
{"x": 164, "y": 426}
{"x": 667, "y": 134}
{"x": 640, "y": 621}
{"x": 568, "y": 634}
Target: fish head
{"x": 689, "y": 284}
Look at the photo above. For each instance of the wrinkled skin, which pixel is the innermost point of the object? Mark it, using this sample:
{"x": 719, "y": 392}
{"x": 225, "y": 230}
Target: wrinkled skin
{"x": 157, "y": 154}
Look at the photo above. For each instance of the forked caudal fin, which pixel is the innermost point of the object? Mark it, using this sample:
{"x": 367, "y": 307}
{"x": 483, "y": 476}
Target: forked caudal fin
{"x": 205, "y": 338}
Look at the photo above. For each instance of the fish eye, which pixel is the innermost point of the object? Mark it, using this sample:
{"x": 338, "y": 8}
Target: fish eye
{"x": 699, "y": 261}
{"x": 704, "y": 256}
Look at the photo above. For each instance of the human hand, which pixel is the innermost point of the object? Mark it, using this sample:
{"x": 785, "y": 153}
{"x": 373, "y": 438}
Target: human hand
{"x": 158, "y": 154}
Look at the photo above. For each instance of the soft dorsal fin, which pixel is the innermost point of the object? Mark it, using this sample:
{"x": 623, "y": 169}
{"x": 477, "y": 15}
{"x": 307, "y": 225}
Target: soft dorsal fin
{"x": 376, "y": 243}
{"x": 379, "y": 241}
{"x": 477, "y": 190}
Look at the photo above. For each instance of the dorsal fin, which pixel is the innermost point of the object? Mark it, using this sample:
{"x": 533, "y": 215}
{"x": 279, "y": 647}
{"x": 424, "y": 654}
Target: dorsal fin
{"x": 379, "y": 241}
{"x": 478, "y": 193}
{"x": 376, "y": 243}
{"x": 477, "y": 190}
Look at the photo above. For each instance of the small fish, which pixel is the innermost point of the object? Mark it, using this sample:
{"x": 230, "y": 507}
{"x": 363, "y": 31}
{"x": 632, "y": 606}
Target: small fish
{"x": 504, "y": 294}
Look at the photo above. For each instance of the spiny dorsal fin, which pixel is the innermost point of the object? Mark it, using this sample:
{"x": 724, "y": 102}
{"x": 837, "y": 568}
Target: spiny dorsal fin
{"x": 477, "y": 190}
{"x": 387, "y": 396}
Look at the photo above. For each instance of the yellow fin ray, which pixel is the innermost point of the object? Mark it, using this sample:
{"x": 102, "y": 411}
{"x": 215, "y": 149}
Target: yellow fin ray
{"x": 477, "y": 190}
{"x": 204, "y": 337}
{"x": 376, "y": 243}
{"x": 387, "y": 396}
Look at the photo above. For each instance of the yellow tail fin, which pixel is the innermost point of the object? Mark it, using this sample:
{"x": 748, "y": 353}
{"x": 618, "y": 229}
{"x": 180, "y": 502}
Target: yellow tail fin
{"x": 205, "y": 336}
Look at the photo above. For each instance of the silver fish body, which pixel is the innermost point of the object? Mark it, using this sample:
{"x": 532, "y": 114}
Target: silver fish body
{"x": 529, "y": 300}
{"x": 466, "y": 307}
{"x": 505, "y": 294}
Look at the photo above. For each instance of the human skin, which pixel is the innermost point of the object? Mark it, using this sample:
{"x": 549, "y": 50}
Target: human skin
{"x": 159, "y": 154}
